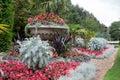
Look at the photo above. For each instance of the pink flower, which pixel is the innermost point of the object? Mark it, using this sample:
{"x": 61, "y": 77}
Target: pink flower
{"x": 30, "y": 20}
{"x": 36, "y": 18}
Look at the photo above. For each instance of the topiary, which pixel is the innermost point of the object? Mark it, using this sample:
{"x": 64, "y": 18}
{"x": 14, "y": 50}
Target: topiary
{"x": 35, "y": 52}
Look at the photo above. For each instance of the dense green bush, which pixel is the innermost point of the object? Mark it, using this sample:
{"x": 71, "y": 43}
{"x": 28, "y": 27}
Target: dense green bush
{"x": 6, "y": 17}
{"x": 5, "y": 41}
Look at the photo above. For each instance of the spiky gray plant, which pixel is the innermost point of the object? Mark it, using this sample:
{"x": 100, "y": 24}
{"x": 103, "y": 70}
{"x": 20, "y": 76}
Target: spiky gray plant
{"x": 35, "y": 52}
{"x": 97, "y": 43}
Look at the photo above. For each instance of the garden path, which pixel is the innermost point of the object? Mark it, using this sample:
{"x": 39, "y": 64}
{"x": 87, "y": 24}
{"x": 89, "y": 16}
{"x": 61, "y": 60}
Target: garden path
{"x": 103, "y": 65}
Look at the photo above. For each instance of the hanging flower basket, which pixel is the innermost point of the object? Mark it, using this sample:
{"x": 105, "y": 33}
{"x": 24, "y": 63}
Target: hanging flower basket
{"x": 46, "y": 25}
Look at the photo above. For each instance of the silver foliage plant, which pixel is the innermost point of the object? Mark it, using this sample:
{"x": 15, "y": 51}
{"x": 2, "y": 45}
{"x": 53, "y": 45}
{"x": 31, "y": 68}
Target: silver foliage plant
{"x": 80, "y": 42}
{"x": 85, "y": 71}
{"x": 107, "y": 52}
{"x": 97, "y": 43}
{"x": 34, "y": 52}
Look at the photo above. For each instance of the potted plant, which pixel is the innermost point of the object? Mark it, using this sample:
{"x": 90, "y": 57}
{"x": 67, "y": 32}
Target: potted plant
{"x": 46, "y": 25}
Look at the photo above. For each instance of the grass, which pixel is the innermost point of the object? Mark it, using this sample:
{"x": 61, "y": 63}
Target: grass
{"x": 114, "y": 72}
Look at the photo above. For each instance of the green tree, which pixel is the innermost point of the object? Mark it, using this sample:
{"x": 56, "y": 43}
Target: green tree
{"x": 91, "y": 23}
{"x": 23, "y": 10}
{"x": 77, "y": 15}
{"x": 114, "y": 30}
{"x": 54, "y": 5}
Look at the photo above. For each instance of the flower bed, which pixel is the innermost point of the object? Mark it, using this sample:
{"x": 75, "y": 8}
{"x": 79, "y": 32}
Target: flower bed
{"x": 36, "y": 61}
{"x": 53, "y": 71}
{"x": 107, "y": 52}
{"x": 103, "y": 53}
{"x": 85, "y": 71}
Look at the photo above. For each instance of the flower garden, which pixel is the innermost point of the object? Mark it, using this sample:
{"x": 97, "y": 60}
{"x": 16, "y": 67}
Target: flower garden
{"x": 58, "y": 59}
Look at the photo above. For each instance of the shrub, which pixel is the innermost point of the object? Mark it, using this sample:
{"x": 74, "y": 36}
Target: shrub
{"x": 80, "y": 42}
{"x": 35, "y": 52}
{"x": 97, "y": 43}
{"x": 5, "y": 41}
{"x": 6, "y": 17}
{"x": 61, "y": 43}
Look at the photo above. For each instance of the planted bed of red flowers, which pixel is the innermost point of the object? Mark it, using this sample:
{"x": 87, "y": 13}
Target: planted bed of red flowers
{"x": 78, "y": 51}
{"x": 14, "y": 70}
{"x": 46, "y": 17}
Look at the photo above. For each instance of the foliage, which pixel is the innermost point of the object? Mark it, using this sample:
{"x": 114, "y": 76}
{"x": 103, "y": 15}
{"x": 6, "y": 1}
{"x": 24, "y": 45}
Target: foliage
{"x": 85, "y": 71}
{"x": 5, "y": 41}
{"x": 87, "y": 51}
{"x": 6, "y": 17}
{"x": 86, "y": 35}
{"x": 60, "y": 41}
{"x": 30, "y": 8}
{"x": 106, "y": 52}
{"x": 74, "y": 31}
{"x": 114, "y": 30}
{"x": 54, "y": 5}
{"x": 103, "y": 32}
{"x": 77, "y": 56}
{"x": 57, "y": 68}
{"x": 3, "y": 28}
{"x": 80, "y": 42}
{"x": 74, "y": 27}
{"x": 71, "y": 14}
{"x": 24, "y": 9}
{"x": 97, "y": 43}
{"x": 77, "y": 15}
{"x": 91, "y": 23}
{"x": 14, "y": 70}
{"x": 115, "y": 69}
{"x": 35, "y": 52}
{"x": 46, "y": 19}
{"x": 17, "y": 70}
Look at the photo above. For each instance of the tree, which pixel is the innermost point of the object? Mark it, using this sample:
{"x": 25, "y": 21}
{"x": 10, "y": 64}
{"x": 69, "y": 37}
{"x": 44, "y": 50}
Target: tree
{"x": 114, "y": 30}
{"x": 91, "y": 23}
{"x": 54, "y": 5}
{"x": 23, "y": 10}
{"x": 77, "y": 15}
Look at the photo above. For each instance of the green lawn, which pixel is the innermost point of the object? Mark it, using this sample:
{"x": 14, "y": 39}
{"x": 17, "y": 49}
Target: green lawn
{"x": 114, "y": 72}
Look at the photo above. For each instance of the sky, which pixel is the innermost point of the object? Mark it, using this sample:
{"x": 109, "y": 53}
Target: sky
{"x": 106, "y": 11}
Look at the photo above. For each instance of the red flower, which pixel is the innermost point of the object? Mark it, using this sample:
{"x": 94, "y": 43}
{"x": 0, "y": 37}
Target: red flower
{"x": 36, "y": 18}
{"x": 30, "y": 20}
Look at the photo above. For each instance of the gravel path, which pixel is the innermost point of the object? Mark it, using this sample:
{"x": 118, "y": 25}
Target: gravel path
{"x": 103, "y": 65}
